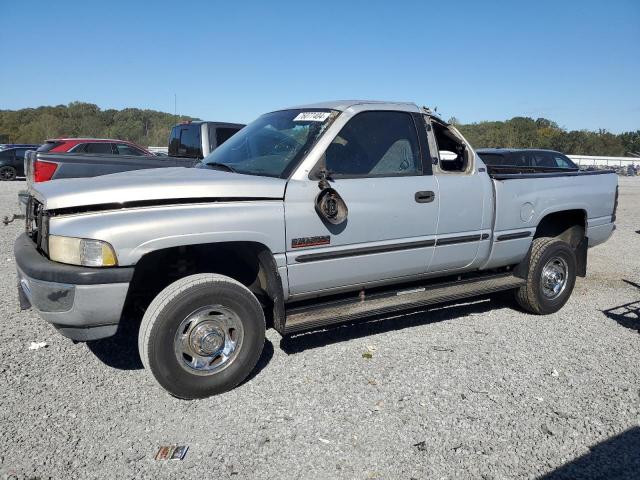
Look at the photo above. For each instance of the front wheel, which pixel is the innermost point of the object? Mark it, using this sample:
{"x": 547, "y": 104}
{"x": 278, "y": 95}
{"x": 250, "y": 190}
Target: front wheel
{"x": 551, "y": 278}
{"x": 202, "y": 335}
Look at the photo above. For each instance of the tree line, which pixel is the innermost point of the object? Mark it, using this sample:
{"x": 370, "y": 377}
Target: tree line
{"x": 79, "y": 119}
{"x": 524, "y": 132}
{"x": 150, "y": 127}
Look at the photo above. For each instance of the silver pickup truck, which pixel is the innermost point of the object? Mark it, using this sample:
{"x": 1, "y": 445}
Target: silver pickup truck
{"x": 310, "y": 216}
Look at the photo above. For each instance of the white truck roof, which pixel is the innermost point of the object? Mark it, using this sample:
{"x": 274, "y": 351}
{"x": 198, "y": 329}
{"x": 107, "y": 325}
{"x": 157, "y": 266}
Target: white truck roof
{"x": 342, "y": 105}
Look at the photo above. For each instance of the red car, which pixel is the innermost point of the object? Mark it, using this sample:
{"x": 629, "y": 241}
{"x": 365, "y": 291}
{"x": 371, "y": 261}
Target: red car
{"x": 93, "y": 145}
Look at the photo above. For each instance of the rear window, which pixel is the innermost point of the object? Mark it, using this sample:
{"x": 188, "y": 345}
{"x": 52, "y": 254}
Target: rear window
{"x": 185, "y": 141}
{"x": 222, "y": 134}
{"x": 492, "y": 158}
{"x": 49, "y": 146}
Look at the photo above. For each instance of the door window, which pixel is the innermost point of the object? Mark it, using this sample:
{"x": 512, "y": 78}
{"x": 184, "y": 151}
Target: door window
{"x": 20, "y": 153}
{"x": 453, "y": 153}
{"x": 102, "y": 147}
{"x": 6, "y": 155}
{"x": 563, "y": 162}
{"x": 522, "y": 159}
{"x": 189, "y": 145}
{"x": 543, "y": 159}
{"x": 374, "y": 144}
{"x": 124, "y": 149}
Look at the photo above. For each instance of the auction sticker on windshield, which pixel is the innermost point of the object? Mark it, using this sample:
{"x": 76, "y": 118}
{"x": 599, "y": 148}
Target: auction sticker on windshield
{"x": 312, "y": 117}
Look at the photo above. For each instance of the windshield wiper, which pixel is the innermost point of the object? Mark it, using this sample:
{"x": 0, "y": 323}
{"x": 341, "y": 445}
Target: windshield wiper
{"x": 223, "y": 165}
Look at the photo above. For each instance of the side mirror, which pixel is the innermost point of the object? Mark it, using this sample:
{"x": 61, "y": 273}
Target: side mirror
{"x": 329, "y": 204}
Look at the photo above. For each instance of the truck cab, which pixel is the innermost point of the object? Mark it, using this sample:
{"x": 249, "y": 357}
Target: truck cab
{"x": 197, "y": 139}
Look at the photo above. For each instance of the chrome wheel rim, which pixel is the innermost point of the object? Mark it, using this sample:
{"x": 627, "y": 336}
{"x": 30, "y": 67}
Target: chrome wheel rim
{"x": 208, "y": 340}
{"x": 554, "y": 277}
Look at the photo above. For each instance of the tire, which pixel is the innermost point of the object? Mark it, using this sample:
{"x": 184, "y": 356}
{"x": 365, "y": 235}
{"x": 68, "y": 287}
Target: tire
{"x": 549, "y": 257}
{"x": 7, "y": 173}
{"x": 187, "y": 332}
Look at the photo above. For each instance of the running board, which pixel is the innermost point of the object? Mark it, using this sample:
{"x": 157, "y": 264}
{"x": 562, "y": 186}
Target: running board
{"x": 309, "y": 317}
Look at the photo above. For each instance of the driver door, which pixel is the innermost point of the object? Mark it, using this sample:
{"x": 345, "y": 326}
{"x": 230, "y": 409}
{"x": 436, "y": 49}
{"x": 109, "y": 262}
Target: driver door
{"x": 375, "y": 164}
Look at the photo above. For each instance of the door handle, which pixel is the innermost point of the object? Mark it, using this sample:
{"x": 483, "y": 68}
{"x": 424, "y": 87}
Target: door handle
{"x": 425, "y": 197}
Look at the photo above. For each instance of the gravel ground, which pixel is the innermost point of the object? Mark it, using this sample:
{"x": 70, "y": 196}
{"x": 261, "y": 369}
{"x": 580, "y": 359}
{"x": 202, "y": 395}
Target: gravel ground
{"x": 475, "y": 390}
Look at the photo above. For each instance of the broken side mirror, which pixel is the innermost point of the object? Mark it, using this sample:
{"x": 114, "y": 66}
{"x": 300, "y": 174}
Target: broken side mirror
{"x": 329, "y": 204}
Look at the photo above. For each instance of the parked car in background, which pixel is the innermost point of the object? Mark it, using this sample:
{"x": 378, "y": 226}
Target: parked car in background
{"x": 4, "y": 146}
{"x": 44, "y": 166}
{"x": 89, "y": 157}
{"x": 525, "y": 159}
{"x": 12, "y": 162}
{"x": 104, "y": 146}
{"x": 199, "y": 139}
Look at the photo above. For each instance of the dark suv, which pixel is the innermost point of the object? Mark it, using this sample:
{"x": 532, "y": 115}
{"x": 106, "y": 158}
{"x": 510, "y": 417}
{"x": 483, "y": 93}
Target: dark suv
{"x": 525, "y": 160}
{"x": 12, "y": 162}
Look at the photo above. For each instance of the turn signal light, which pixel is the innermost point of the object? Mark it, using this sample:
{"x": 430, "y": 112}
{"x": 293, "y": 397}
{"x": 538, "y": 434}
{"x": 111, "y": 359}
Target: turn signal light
{"x": 43, "y": 171}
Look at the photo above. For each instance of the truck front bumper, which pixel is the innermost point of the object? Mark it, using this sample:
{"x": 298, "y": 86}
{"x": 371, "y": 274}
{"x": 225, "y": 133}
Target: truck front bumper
{"x": 82, "y": 303}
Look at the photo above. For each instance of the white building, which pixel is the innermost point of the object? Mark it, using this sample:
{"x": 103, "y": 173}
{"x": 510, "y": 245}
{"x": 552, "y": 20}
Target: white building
{"x": 586, "y": 160}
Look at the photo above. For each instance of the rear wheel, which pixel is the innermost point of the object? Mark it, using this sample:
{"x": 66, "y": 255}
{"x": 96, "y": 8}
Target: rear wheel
{"x": 202, "y": 335}
{"x": 551, "y": 278}
{"x": 7, "y": 173}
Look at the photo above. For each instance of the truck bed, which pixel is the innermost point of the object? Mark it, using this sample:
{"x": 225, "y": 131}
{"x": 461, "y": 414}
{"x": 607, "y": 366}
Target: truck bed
{"x": 505, "y": 172}
{"x": 523, "y": 200}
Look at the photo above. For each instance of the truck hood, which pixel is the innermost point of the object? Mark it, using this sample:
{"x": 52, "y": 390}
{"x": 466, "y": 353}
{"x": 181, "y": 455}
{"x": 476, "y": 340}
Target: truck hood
{"x": 156, "y": 186}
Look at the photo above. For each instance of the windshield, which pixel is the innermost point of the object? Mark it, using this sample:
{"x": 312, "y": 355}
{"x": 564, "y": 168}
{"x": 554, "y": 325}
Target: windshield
{"x": 273, "y": 144}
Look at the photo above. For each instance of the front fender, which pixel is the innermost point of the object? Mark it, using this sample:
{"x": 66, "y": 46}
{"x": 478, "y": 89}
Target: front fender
{"x": 138, "y": 231}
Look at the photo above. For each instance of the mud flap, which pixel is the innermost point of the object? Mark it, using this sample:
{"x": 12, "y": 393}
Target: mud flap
{"x": 581, "y": 257}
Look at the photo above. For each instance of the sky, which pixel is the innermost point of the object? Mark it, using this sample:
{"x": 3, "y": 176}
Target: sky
{"x": 574, "y": 62}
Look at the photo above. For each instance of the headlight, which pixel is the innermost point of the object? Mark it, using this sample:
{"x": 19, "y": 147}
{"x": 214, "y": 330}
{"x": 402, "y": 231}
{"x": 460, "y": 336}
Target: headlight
{"x": 81, "y": 251}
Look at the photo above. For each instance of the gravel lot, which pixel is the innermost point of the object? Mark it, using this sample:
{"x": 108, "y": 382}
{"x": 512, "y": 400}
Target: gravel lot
{"x": 475, "y": 390}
